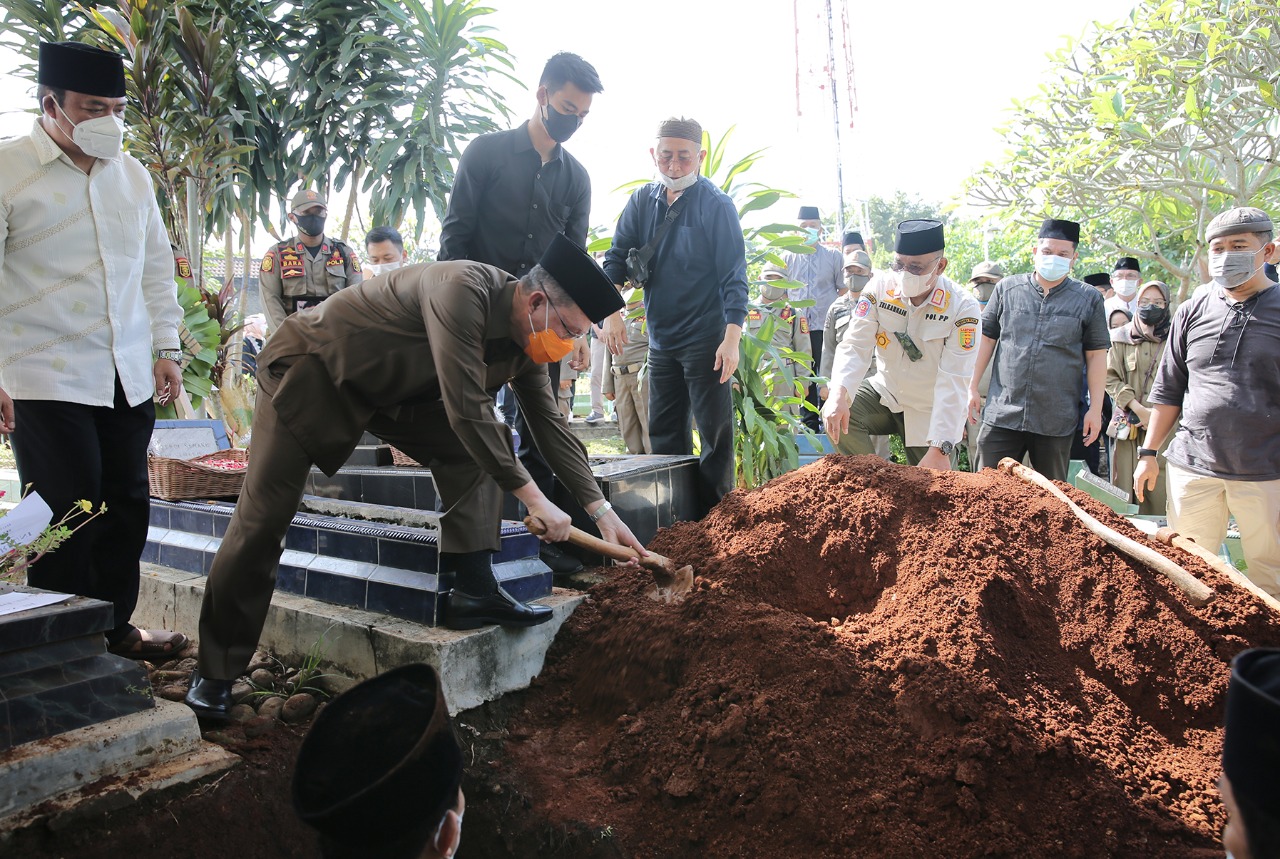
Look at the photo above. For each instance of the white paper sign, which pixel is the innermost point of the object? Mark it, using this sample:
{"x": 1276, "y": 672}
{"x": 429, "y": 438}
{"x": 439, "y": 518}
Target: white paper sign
{"x": 182, "y": 442}
{"x": 12, "y": 603}
{"x": 24, "y": 522}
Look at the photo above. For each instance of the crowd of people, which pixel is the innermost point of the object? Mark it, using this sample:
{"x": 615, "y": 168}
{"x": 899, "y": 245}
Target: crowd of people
{"x": 432, "y": 358}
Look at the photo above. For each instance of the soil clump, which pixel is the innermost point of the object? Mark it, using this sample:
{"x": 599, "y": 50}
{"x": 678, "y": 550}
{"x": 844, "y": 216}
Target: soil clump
{"x": 881, "y": 661}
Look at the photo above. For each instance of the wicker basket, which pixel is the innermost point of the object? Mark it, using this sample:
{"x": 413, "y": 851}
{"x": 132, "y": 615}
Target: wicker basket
{"x": 179, "y": 479}
{"x": 399, "y": 457}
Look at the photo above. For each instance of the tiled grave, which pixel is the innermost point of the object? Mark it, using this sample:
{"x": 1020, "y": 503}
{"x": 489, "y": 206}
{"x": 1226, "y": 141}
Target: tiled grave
{"x": 56, "y": 674}
{"x": 387, "y": 568}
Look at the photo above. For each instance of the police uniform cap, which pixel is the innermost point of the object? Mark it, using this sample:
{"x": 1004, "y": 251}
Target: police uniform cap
{"x": 986, "y": 268}
{"x": 1127, "y": 264}
{"x": 381, "y": 764}
{"x": 858, "y": 258}
{"x": 777, "y": 271}
{"x": 918, "y": 237}
{"x": 81, "y": 68}
{"x": 684, "y": 129}
{"x": 808, "y": 213}
{"x": 1242, "y": 219}
{"x": 1251, "y": 742}
{"x": 1102, "y": 278}
{"x": 1054, "y": 228}
{"x": 582, "y": 277}
{"x": 853, "y": 237}
{"x": 305, "y": 199}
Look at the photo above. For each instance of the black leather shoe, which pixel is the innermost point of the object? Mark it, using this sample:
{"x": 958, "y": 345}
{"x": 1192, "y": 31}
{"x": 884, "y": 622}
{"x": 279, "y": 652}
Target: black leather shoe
{"x": 211, "y": 699}
{"x": 560, "y": 561}
{"x": 463, "y": 611}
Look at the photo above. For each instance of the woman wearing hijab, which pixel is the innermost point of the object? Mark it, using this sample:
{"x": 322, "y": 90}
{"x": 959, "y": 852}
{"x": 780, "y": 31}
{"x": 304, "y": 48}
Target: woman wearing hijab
{"x": 1135, "y": 354}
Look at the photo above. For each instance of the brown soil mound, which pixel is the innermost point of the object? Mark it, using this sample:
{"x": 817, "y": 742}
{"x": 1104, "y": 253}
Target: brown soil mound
{"x": 882, "y": 661}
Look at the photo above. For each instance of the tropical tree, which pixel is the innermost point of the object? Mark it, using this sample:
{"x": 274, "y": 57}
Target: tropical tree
{"x": 1148, "y": 128}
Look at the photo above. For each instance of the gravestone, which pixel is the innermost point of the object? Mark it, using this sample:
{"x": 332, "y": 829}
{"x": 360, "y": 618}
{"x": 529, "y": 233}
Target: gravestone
{"x": 56, "y": 674}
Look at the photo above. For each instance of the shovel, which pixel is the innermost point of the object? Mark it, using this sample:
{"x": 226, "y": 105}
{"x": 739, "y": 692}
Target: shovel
{"x": 673, "y": 582}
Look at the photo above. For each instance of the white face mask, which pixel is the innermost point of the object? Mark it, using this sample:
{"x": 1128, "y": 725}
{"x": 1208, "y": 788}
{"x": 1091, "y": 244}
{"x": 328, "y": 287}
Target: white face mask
{"x": 1125, "y": 288}
{"x": 913, "y": 285}
{"x": 376, "y": 269}
{"x": 1052, "y": 267}
{"x": 680, "y": 184}
{"x": 100, "y": 137}
{"x": 1233, "y": 268}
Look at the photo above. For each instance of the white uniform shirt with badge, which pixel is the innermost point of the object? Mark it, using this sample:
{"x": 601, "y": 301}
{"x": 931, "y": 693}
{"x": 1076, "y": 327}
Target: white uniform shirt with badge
{"x": 932, "y": 392}
{"x": 86, "y": 276}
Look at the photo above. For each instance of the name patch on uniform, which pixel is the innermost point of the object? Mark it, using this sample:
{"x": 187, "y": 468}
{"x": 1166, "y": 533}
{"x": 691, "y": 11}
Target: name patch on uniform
{"x": 804, "y": 325}
{"x": 968, "y": 337}
{"x": 863, "y": 308}
{"x": 882, "y": 339}
{"x": 968, "y": 320}
{"x": 335, "y": 260}
{"x": 936, "y": 317}
{"x": 290, "y": 263}
{"x": 753, "y": 316}
{"x": 901, "y": 311}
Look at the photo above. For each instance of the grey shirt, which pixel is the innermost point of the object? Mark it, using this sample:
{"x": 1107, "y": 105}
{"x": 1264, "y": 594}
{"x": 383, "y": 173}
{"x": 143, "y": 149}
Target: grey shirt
{"x": 1039, "y": 361}
{"x": 1222, "y": 368}
{"x": 822, "y": 273}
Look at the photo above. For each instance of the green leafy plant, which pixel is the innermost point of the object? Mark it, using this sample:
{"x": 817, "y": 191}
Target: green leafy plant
{"x": 17, "y": 557}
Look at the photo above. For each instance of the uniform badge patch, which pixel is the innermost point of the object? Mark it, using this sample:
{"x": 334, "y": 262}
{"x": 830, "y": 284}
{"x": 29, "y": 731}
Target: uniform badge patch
{"x": 939, "y": 298}
{"x": 355, "y": 264}
{"x": 882, "y": 340}
{"x": 968, "y": 320}
{"x": 268, "y": 261}
{"x": 863, "y": 308}
{"x": 754, "y": 316}
{"x": 291, "y": 263}
{"x": 968, "y": 337}
{"x": 335, "y": 260}
{"x": 804, "y": 325}
{"x": 184, "y": 267}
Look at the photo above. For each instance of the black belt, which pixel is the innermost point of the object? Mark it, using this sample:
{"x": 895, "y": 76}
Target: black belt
{"x": 627, "y": 369}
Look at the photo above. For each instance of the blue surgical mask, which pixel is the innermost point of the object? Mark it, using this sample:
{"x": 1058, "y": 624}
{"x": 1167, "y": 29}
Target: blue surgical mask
{"x": 810, "y": 236}
{"x": 1052, "y": 267}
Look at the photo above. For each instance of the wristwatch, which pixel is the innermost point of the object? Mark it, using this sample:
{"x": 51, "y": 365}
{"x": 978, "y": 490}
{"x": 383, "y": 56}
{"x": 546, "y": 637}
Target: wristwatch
{"x": 945, "y": 446}
{"x": 174, "y": 355}
{"x": 1146, "y": 451}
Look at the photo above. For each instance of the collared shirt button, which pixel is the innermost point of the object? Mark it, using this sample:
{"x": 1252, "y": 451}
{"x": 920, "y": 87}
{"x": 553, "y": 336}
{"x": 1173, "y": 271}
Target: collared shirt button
{"x": 530, "y": 235}
{"x": 535, "y": 205}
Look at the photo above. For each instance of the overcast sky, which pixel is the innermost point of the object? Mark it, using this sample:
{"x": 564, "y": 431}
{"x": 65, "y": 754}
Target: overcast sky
{"x": 933, "y": 77}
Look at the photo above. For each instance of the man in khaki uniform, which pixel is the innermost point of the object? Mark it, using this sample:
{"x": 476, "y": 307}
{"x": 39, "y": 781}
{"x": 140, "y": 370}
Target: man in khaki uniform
{"x": 308, "y": 268}
{"x": 982, "y": 281}
{"x": 624, "y": 381}
{"x": 922, "y": 329}
{"x": 415, "y": 357}
{"x": 790, "y": 331}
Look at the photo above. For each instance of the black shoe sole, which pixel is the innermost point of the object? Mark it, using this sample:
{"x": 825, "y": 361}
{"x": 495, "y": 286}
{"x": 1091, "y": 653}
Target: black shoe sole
{"x": 465, "y": 623}
{"x": 214, "y": 714}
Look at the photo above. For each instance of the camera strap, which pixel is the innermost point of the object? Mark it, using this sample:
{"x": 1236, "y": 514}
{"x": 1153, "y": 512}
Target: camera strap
{"x": 673, "y": 211}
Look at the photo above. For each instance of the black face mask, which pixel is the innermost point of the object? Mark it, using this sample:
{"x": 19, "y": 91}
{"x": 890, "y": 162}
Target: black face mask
{"x": 312, "y": 225}
{"x": 1153, "y": 317}
{"x": 560, "y": 126}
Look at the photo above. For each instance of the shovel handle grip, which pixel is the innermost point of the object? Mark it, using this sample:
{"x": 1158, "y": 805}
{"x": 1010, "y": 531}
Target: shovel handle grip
{"x": 581, "y": 538}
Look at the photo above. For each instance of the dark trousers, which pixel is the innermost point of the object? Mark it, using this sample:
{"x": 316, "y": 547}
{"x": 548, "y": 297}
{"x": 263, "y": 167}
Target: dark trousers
{"x": 533, "y": 460}
{"x": 685, "y": 387}
{"x": 813, "y": 420}
{"x": 242, "y": 578}
{"x": 1049, "y": 454}
{"x": 69, "y": 452}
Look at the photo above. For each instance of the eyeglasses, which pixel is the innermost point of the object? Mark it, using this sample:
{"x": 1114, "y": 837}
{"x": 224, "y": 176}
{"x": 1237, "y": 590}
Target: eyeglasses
{"x": 916, "y": 268}
{"x": 573, "y": 335}
{"x": 1142, "y": 304}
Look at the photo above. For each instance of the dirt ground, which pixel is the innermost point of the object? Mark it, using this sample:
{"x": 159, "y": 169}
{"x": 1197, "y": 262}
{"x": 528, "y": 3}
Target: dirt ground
{"x": 877, "y": 662}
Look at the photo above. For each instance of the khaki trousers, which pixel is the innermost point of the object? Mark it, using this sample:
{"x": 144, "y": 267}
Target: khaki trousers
{"x": 1199, "y": 507}
{"x": 631, "y": 405}
{"x": 869, "y": 417}
{"x": 242, "y": 578}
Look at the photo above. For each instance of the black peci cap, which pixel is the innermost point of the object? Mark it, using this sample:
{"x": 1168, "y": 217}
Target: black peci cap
{"x": 1127, "y": 264}
{"x": 1099, "y": 279}
{"x": 1052, "y": 228}
{"x": 918, "y": 237}
{"x": 853, "y": 237}
{"x": 582, "y": 277}
{"x": 1251, "y": 742}
{"x": 81, "y": 68}
{"x": 808, "y": 213}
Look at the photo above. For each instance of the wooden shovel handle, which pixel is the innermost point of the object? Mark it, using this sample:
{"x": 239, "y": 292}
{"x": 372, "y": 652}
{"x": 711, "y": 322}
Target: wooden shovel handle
{"x": 578, "y": 537}
{"x": 1170, "y": 537}
{"x": 1196, "y": 591}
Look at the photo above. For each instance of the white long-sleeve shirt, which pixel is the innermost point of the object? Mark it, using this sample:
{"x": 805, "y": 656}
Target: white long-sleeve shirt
{"x": 86, "y": 276}
{"x": 932, "y": 392}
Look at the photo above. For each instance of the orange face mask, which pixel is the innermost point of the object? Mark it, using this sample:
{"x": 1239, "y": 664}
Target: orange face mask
{"x": 546, "y": 346}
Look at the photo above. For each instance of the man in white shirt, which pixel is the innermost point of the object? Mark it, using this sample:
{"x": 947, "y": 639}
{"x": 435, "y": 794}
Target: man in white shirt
{"x": 86, "y": 294}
